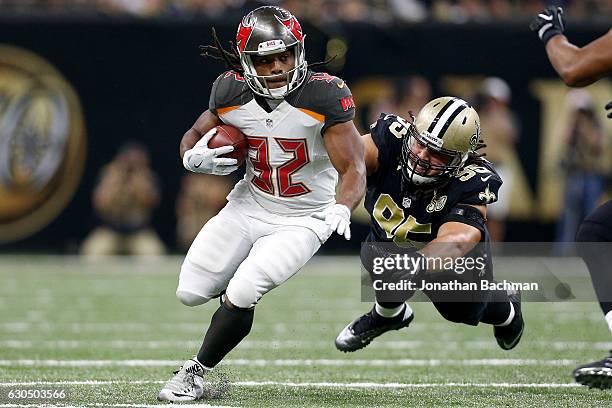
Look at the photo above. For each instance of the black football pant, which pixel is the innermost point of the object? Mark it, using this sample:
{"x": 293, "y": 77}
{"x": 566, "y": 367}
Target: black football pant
{"x": 468, "y": 307}
{"x": 597, "y": 227}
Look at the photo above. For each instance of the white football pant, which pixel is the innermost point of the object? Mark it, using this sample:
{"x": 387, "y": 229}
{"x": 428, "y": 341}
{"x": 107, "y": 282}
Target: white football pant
{"x": 247, "y": 251}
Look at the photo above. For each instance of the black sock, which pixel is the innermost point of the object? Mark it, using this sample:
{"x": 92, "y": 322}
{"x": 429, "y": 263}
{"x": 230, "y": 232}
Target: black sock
{"x": 498, "y": 308}
{"x": 390, "y": 305}
{"x": 227, "y": 328}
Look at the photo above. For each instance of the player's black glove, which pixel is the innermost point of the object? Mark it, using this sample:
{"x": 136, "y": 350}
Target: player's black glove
{"x": 609, "y": 109}
{"x": 548, "y": 23}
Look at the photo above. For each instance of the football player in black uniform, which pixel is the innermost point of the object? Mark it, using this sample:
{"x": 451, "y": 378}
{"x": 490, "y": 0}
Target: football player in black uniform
{"x": 581, "y": 66}
{"x": 428, "y": 186}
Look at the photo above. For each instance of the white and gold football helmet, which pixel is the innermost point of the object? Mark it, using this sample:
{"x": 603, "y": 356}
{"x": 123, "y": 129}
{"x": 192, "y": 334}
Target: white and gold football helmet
{"x": 449, "y": 128}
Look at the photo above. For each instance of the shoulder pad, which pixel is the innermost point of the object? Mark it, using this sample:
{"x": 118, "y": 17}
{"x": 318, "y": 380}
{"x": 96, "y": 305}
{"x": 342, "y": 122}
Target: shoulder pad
{"x": 387, "y": 133}
{"x": 478, "y": 183}
{"x": 328, "y": 96}
{"x": 228, "y": 90}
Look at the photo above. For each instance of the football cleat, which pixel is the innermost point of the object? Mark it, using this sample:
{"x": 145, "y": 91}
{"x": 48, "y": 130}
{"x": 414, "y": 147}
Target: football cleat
{"x": 509, "y": 336}
{"x": 186, "y": 385}
{"x": 361, "y": 331}
{"x": 595, "y": 375}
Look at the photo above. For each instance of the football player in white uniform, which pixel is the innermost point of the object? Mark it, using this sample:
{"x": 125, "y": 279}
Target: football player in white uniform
{"x": 300, "y": 134}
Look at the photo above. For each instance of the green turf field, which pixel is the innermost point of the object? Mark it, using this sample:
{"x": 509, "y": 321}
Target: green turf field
{"x": 111, "y": 332}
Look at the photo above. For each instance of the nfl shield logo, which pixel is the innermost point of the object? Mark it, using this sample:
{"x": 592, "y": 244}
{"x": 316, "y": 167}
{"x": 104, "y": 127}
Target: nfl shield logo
{"x": 406, "y": 202}
{"x": 269, "y": 123}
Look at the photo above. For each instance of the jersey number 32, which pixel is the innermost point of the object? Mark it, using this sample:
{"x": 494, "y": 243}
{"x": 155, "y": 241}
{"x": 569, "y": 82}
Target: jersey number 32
{"x": 264, "y": 179}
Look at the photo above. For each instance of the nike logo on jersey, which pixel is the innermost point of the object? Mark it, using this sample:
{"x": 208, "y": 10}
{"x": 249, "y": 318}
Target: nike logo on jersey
{"x": 485, "y": 178}
{"x": 340, "y": 85}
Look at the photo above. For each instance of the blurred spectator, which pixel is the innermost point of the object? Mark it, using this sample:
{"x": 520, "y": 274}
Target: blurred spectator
{"x": 410, "y": 95}
{"x": 124, "y": 200}
{"x": 142, "y": 8}
{"x": 201, "y": 197}
{"x": 319, "y": 11}
{"x": 583, "y": 162}
{"x": 408, "y": 10}
{"x": 499, "y": 129}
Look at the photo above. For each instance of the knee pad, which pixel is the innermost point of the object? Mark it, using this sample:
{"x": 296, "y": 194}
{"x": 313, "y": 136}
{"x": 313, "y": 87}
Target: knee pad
{"x": 190, "y": 299}
{"x": 242, "y": 293}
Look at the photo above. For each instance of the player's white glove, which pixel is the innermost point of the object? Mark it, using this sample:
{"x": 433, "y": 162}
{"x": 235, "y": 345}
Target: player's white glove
{"x": 338, "y": 219}
{"x": 201, "y": 159}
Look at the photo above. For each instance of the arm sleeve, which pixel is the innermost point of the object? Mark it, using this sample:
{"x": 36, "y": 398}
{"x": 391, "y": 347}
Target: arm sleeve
{"x": 466, "y": 214}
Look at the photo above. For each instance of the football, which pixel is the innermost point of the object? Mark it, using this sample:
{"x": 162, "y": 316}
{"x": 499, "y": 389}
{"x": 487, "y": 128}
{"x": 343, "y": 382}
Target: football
{"x": 230, "y": 136}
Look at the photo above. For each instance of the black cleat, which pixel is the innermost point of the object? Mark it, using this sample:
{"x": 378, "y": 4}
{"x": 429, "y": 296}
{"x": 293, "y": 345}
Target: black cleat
{"x": 509, "y": 336}
{"x": 361, "y": 331}
{"x": 595, "y": 375}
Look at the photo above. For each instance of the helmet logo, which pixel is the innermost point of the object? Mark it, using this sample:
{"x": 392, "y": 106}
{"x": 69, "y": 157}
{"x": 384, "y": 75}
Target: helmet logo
{"x": 244, "y": 31}
{"x": 475, "y": 137}
{"x": 293, "y": 26}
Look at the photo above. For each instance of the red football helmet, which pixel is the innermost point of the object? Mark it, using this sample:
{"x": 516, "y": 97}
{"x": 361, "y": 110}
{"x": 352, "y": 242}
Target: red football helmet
{"x": 270, "y": 30}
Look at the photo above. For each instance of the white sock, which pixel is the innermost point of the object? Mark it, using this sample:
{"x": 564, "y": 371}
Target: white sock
{"x": 510, "y": 317}
{"x": 388, "y": 313}
{"x": 609, "y": 319}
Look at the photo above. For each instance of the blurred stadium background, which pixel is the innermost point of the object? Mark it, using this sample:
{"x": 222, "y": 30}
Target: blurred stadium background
{"x": 91, "y": 89}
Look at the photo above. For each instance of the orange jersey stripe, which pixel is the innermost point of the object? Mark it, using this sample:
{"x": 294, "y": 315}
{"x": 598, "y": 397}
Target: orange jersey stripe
{"x": 223, "y": 111}
{"x": 317, "y": 116}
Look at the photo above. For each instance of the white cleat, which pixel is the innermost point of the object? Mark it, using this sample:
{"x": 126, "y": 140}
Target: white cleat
{"x": 186, "y": 385}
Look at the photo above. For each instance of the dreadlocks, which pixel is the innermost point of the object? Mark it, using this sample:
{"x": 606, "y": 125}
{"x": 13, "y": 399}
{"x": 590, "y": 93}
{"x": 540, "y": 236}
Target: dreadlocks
{"x": 475, "y": 156}
{"x": 232, "y": 58}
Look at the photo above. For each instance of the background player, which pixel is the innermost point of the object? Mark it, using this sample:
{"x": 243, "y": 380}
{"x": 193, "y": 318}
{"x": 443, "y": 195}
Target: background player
{"x": 300, "y": 135}
{"x": 580, "y": 67}
{"x": 428, "y": 186}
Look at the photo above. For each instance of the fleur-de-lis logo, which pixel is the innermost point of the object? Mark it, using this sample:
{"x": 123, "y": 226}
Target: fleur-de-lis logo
{"x": 487, "y": 196}
{"x": 475, "y": 137}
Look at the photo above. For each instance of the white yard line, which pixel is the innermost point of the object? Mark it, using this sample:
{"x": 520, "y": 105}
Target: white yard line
{"x": 295, "y": 362}
{"x": 293, "y": 344}
{"x": 309, "y": 384}
{"x": 47, "y": 405}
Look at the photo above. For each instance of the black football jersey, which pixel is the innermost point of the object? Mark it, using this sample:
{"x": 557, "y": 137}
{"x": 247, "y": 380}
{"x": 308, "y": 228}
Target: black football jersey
{"x": 411, "y": 215}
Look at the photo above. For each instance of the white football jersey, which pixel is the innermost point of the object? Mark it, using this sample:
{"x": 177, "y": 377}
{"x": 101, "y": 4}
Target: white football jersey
{"x": 288, "y": 170}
